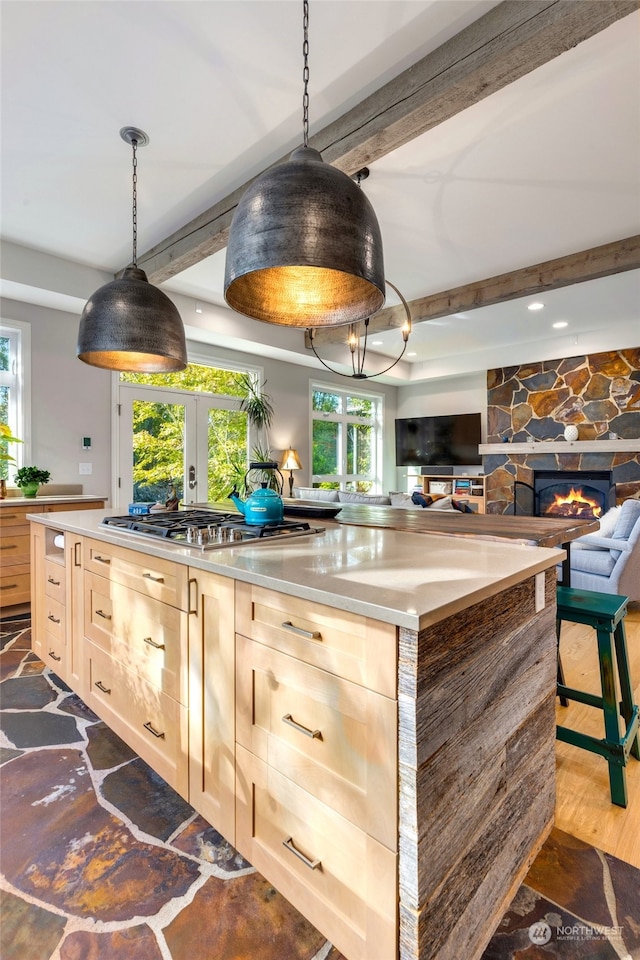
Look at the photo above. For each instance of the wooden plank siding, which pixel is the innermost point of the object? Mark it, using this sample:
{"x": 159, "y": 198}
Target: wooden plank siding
{"x": 476, "y": 767}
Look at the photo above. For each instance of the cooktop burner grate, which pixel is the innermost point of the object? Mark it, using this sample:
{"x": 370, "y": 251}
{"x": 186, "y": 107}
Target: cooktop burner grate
{"x": 208, "y": 529}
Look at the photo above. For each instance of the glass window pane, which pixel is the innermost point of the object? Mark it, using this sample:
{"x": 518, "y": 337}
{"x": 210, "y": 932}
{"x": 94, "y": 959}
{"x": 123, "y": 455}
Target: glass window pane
{"x": 325, "y": 447}
{"x": 227, "y": 444}
{"x": 5, "y": 345}
{"x": 359, "y": 448}
{"x": 327, "y": 402}
{"x": 361, "y": 407}
{"x": 158, "y": 450}
{"x": 196, "y": 377}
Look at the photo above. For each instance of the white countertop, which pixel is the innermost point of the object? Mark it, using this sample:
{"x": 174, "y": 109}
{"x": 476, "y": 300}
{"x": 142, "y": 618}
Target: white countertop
{"x": 407, "y": 579}
{"x": 55, "y": 498}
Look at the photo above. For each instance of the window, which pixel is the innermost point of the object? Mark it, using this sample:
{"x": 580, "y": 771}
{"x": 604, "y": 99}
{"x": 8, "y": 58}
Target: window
{"x": 346, "y": 439}
{"x": 184, "y": 430}
{"x": 14, "y": 367}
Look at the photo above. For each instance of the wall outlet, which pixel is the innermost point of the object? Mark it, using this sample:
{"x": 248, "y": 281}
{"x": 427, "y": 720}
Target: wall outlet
{"x": 85, "y": 468}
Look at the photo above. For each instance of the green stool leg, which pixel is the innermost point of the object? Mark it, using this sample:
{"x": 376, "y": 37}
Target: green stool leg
{"x": 626, "y": 693}
{"x": 617, "y": 780}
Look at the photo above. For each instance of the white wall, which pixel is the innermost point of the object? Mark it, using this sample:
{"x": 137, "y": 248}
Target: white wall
{"x": 467, "y": 394}
{"x": 69, "y": 400}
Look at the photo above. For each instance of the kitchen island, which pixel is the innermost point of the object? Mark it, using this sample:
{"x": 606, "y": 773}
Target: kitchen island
{"x": 366, "y": 714}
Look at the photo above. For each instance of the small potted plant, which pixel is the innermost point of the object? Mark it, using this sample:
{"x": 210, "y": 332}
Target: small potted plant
{"x": 30, "y": 479}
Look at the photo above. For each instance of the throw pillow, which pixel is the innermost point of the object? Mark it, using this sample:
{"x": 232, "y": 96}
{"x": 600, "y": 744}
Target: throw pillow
{"x": 627, "y": 519}
{"x": 316, "y": 493}
{"x": 445, "y": 503}
{"x": 345, "y": 496}
{"x": 403, "y": 500}
{"x": 608, "y": 522}
{"x": 421, "y": 499}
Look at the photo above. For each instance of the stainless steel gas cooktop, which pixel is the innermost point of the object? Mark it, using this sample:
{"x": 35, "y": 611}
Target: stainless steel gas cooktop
{"x": 208, "y": 529}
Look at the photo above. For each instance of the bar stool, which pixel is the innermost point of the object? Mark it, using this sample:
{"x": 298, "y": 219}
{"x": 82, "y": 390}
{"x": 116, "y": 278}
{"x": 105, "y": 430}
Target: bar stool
{"x": 604, "y": 612}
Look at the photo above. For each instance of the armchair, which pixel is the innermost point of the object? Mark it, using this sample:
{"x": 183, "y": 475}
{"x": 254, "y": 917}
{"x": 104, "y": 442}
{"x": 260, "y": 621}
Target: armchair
{"x": 610, "y": 564}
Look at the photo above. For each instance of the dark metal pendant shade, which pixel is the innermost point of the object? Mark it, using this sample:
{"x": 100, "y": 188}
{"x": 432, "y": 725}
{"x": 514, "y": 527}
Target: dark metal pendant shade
{"x": 129, "y": 324}
{"x": 305, "y": 248}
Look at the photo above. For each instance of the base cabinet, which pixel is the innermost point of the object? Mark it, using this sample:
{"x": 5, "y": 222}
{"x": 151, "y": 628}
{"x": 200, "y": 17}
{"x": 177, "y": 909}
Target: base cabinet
{"x": 211, "y": 700}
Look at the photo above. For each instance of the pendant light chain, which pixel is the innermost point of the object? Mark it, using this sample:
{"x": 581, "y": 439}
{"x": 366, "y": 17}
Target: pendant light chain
{"x": 134, "y": 144}
{"x": 305, "y": 72}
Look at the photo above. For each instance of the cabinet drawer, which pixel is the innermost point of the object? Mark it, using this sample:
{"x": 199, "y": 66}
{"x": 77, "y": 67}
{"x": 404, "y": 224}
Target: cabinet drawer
{"x": 153, "y": 724}
{"x": 343, "y": 881}
{"x": 332, "y": 737}
{"x": 53, "y": 652}
{"x": 151, "y": 576}
{"x": 11, "y": 516}
{"x": 345, "y": 644}
{"x": 146, "y": 635}
{"x": 15, "y": 587}
{"x": 54, "y": 582}
{"x": 15, "y": 546}
{"x": 54, "y": 618}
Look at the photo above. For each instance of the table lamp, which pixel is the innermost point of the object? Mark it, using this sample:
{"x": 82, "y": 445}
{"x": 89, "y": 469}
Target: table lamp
{"x": 290, "y": 461}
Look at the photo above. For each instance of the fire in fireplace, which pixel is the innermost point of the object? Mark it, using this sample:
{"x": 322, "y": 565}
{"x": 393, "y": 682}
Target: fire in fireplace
{"x": 584, "y": 494}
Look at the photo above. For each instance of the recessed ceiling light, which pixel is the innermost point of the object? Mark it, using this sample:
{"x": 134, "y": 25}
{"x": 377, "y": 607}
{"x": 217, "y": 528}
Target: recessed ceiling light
{"x": 559, "y": 324}
{"x": 536, "y": 306}
{"x": 198, "y": 308}
{"x": 376, "y": 343}
{"x": 412, "y": 353}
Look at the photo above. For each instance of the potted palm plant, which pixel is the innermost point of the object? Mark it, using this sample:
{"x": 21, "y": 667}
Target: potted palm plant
{"x": 29, "y": 479}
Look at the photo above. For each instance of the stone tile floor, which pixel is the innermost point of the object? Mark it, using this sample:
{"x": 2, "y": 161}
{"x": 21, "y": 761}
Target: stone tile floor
{"x": 101, "y": 860}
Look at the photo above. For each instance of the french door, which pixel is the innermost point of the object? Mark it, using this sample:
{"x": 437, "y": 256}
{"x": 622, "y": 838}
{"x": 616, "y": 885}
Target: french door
{"x": 173, "y": 439}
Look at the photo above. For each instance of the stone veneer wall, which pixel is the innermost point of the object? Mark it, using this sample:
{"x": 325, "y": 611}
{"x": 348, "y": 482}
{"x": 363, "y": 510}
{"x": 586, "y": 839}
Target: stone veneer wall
{"x": 599, "y": 393}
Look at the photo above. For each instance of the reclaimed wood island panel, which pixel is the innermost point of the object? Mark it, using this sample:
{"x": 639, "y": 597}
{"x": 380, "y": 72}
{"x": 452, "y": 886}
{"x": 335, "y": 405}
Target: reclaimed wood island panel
{"x": 451, "y": 644}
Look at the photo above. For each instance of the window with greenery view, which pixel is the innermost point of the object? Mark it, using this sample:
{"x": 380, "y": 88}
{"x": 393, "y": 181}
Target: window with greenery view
{"x": 12, "y": 361}
{"x": 159, "y": 432}
{"x": 346, "y": 435}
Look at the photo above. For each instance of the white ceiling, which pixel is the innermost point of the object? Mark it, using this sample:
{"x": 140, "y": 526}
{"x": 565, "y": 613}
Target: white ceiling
{"x": 546, "y": 167}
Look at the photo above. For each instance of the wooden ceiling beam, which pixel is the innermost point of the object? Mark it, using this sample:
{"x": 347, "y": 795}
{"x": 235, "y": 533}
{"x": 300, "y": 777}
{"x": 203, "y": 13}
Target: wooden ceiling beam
{"x": 509, "y": 41}
{"x": 601, "y": 261}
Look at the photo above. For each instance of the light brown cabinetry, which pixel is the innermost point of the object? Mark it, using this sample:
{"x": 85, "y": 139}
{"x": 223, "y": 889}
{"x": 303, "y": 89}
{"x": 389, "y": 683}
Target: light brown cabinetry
{"x": 211, "y": 700}
{"x": 135, "y": 651}
{"x": 316, "y": 756}
{"x": 15, "y": 549}
{"x": 470, "y": 489}
{"x": 15, "y": 583}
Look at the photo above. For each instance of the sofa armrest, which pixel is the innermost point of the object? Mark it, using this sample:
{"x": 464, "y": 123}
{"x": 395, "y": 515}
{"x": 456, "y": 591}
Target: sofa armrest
{"x": 591, "y": 541}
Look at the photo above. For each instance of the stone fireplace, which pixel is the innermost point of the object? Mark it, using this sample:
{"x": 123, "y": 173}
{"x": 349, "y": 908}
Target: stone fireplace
{"x": 529, "y": 407}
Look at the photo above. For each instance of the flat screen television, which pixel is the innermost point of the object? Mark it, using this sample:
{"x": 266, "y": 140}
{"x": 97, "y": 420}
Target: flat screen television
{"x": 446, "y": 441}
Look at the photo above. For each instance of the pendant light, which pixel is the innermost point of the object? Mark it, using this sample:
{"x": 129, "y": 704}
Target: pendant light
{"x": 357, "y": 343}
{"x": 305, "y": 248}
{"x": 129, "y": 324}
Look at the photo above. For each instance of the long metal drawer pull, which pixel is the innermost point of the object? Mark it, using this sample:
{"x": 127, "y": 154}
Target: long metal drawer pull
{"x": 100, "y": 685}
{"x": 314, "y": 734}
{"x": 56, "y": 583}
{"x": 54, "y": 656}
{"x": 148, "y": 727}
{"x": 312, "y": 864}
{"x": 8, "y": 586}
{"x": 101, "y": 613}
{"x": 53, "y": 619}
{"x": 9, "y": 546}
{"x": 9, "y": 516}
{"x": 100, "y": 559}
{"x": 310, "y": 634}
{"x": 152, "y": 643}
{"x": 150, "y": 576}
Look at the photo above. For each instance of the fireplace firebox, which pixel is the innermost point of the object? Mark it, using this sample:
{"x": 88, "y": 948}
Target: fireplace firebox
{"x": 583, "y": 494}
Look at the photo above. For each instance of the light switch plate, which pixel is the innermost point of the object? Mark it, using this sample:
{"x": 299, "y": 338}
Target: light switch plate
{"x": 85, "y": 468}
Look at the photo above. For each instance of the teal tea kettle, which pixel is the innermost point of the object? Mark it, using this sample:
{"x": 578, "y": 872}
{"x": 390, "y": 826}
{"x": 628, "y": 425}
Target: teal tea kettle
{"x": 262, "y": 506}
